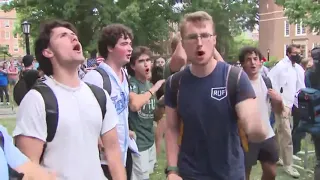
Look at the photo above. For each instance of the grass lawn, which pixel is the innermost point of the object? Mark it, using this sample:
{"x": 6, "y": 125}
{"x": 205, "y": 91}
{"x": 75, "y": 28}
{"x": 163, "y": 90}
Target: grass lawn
{"x": 159, "y": 171}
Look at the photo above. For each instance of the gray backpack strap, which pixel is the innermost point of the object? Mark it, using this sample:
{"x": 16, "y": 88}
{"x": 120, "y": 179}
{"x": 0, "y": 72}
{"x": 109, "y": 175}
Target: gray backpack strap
{"x": 105, "y": 78}
{"x": 233, "y": 77}
{"x": 267, "y": 81}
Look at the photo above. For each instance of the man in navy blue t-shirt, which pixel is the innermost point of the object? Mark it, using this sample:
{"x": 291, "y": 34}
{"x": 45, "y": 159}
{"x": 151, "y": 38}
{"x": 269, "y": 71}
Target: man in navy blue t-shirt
{"x": 210, "y": 146}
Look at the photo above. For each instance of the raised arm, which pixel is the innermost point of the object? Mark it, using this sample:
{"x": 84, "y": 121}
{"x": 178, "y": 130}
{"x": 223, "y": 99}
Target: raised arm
{"x": 136, "y": 101}
{"x": 247, "y": 111}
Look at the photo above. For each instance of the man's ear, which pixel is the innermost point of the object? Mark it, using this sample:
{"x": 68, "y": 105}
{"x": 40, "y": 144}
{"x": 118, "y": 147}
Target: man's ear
{"x": 47, "y": 53}
{"x": 110, "y": 49}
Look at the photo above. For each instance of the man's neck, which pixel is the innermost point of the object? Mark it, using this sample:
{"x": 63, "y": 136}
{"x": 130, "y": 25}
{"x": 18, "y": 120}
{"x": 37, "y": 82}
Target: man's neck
{"x": 140, "y": 78}
{"x": 28, "y": 68}
{"x": 254, "y": 77}
{"x": 203, "y": 70}
{"x": 67, "y": 77}
{"x": 115, "y": 67}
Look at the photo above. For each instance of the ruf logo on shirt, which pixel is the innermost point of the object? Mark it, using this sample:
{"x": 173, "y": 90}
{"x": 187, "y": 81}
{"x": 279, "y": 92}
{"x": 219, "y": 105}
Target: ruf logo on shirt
{"x": 219, "y": 93}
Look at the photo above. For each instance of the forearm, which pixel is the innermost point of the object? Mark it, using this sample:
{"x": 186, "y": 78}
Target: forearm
{"x": 172, "y": 148}
{"x": 178, "y": 59}
{"x": 217, "y": 55}
{"x": 277, "y": 106}
{"x": 115, "y": 165}
{"x": 138, "y": 100}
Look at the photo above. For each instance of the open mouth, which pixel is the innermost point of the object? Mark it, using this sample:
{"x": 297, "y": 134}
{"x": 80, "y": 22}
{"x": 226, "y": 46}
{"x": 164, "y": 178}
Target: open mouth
{"x": 147, "y": 70}
{"x": 128, "y": 56}
{"x": 77, "y": 47}
{"x": 200, "y": 53}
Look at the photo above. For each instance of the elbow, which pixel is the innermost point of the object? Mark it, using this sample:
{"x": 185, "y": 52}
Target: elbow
{"x": 134, "y": 107}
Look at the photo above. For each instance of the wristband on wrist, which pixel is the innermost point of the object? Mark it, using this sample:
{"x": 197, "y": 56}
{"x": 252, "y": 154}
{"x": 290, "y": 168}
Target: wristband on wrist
{"x": 171, "y": 170}
{"x": 150, "y": 92}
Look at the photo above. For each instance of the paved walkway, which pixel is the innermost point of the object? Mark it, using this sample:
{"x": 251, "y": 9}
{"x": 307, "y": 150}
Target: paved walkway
{"x": 8, "y": 112}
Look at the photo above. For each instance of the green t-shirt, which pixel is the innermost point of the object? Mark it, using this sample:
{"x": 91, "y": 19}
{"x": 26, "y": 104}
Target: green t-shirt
{"x": 141, "y": 122}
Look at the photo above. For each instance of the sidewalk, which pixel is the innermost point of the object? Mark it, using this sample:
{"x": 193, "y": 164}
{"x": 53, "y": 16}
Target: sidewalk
{"x": 8, "y": 112}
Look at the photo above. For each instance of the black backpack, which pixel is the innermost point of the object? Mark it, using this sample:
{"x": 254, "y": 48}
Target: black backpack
{"x": 106, "y": 80}
{"x": 13, "y": 174}
{"x": 26, "y": 80}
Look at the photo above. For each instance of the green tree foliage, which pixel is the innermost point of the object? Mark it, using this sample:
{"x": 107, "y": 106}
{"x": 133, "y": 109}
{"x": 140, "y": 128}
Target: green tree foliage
{"x": 306, "y": 11}
{"x": 150, "y": 20}
{"x": 4, "y": 52}
{"x": 239, "y": 42}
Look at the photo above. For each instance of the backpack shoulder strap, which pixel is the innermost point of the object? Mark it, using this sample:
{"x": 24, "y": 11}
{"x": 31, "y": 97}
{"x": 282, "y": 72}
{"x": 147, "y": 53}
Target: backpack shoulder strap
{"x": 174, "y": 80}
{"x": 51, "y": 107}
{"x": 101, "y": 98}
{"x": 267, "y": 81}
{"x": 105, "y": 78}
{"x": 233, "y": 77}
{"x": 1, "y": 141}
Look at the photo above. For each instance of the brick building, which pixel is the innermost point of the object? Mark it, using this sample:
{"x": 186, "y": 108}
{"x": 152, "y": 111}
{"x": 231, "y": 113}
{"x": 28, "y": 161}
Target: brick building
{"x": 7, "y": 36}
{"x": 275, "y": 32}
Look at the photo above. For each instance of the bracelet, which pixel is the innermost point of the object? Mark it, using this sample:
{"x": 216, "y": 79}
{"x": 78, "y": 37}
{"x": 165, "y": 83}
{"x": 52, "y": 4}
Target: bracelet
{"x": 150, "y": 92}
{"x": 171, "y": 170}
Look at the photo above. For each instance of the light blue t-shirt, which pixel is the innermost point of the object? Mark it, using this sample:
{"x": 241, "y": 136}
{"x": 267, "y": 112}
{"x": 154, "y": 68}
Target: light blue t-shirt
{"x": 10, "y": 155}
{"x": 120, "y": 98}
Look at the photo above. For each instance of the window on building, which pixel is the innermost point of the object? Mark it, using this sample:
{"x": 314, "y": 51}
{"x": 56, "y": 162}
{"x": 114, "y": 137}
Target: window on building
{"x": 7, "y": 35}
{"x": 303, "y": 49}
{"x": 285, "y": 50}
{"x": 317, "y": 44}
{"x": 286, "y": 28}
{"x": 6, "y": 23}
{"x": 16, "y": 48}
{"x": 300, "y": 29}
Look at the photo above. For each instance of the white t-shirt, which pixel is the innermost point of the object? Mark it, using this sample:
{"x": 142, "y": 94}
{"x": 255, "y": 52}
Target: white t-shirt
{"x": 73, "y": 154}
{"x": 261, "y": 91}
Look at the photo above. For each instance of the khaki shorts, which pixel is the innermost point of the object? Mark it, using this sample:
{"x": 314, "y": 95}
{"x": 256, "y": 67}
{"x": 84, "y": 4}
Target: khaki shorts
{"x": 143, "y": 165}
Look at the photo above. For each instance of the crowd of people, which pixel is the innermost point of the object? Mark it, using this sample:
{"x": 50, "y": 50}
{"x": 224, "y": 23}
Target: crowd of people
{"x": 107, "y": 119}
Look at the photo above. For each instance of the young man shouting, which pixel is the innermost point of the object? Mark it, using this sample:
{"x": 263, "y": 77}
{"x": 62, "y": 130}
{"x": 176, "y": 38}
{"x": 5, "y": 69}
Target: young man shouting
{"x": 73, "y": 152}
{"x": 266, "y": 152}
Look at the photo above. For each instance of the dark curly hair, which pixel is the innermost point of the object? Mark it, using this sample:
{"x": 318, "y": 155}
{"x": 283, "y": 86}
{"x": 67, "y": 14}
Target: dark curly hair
{"x": 248, "y": 50}
{"x": 110, "y": 36}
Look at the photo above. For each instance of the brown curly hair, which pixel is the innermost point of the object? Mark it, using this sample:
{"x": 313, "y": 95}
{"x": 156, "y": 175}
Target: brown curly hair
{"x": 110, "y": 36}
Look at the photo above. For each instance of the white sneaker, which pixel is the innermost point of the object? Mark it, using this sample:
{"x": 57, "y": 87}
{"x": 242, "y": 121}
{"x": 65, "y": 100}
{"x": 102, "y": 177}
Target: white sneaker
{"x": 1, "y": 103}
{"x": 280, "y": 162}
{"x": 296, "y": 158}
{"x": 292, "y": 171}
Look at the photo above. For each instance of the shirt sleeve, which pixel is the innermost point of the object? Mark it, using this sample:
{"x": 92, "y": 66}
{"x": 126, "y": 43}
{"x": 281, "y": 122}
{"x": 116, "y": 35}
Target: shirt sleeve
{"x": 111, "y": 117}
{"x": 31, "y": 117}
{"x": 168, "y": 95}
{"x": 13, "y": 156}
{"x": 245, "y": 89}
{"x": 301, "y": 78}
{"x": 93, "y": 77}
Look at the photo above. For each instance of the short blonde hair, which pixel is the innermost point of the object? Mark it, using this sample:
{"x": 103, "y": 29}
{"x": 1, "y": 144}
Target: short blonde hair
{"x": 198, "y": 16}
